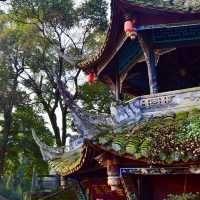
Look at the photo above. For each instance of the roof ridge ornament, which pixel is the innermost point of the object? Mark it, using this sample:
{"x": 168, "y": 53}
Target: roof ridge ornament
{"x": 48, "y": 152}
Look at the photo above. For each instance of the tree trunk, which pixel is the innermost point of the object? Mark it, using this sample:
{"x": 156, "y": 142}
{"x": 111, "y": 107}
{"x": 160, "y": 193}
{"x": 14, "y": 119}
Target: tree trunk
{"x": 53, "y": 120}
{"x": 64, "y": 123}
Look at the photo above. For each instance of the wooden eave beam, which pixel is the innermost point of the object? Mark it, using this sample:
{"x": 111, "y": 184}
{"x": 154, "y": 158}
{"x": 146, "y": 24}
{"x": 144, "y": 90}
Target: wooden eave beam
{"x": 104, "y": 64}
{"x": 91, "y": 169}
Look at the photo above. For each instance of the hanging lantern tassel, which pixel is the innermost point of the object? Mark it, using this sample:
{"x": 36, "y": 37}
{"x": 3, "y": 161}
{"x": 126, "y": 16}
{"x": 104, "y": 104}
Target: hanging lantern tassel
{"x": 91, "y": 78}
{"x": 129, "y": 29}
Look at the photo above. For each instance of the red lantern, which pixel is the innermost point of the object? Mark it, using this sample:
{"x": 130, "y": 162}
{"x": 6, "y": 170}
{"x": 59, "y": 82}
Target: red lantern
{"x": 128, "y": 26}
{"x": 91, "y": 78}
{"x": 129, "y": 29}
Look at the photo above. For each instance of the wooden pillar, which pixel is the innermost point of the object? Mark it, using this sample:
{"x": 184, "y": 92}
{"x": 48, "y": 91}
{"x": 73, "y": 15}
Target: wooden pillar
{"x": 63, "y": 182}
{"x": 113, "y": 174}
{"x": 152, "y": 61}
{"x": 111, "y": 163}
{"x": 139, "y": 185}
{"x": 117, "y": 87}
{"x": 130, "y": 187}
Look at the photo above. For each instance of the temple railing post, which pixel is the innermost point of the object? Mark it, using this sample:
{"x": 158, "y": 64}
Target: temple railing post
{"x": 152, "y": 61}
{"x": 130, "y": 187}
{"x": 117, "y": 87}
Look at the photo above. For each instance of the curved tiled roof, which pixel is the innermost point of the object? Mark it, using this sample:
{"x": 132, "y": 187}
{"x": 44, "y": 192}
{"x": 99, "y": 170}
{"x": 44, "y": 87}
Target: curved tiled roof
{"x": 175, "y": 10}
{"x": 184, "y": 6}
{"x": 91, "y": 59}
{"x": 69, "y": 161}
{"x": 161, "y": 141}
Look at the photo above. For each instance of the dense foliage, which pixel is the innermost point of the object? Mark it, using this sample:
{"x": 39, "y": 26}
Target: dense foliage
{"x": 23, "y": 155}
{"x": 96, "y": 98}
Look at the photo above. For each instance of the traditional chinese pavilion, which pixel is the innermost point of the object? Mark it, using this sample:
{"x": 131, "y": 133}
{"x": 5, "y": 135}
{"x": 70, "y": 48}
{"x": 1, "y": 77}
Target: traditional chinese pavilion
{"x": 148, "y": 147}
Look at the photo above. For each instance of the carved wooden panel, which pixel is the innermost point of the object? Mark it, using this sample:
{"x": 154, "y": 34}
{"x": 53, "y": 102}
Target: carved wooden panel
{"x": 171, "y": 35}
{"x": 176, "y": 34}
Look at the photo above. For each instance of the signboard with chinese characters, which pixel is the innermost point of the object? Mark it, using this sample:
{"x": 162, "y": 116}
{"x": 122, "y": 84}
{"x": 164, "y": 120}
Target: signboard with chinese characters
{"x": 171, "y": 35}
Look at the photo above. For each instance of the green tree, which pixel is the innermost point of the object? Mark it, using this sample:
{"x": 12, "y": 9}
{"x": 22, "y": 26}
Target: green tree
{"x": 42, "y": 42}
{"x": 96, "y": 98}
{"x": 23, "y": 155}
{"x": 18, "y": 151}
{"x": 10, "y": 71}
{"x": 55, "y": 49}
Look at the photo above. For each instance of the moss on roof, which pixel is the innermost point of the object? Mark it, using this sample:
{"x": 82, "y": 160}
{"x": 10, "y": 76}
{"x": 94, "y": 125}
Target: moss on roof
{"x": 165, "y": 139}
{"x": 192, "y": 6}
